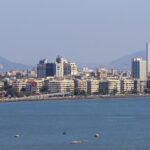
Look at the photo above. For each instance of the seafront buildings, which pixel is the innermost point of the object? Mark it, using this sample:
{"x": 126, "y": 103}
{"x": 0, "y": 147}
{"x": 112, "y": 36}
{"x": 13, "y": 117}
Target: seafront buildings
{"x": 139, "y": 69}
{"x": 127, "y": 86}
{"x": 93, "y": 86}
{"x": 62, "y": 67}
{"x": 63, "y": 77}
{"x": 148, "y": 58}
{"x": 80, "y": 86}
{"x": 61, "y": 86}
{"x": 110, "y": 86}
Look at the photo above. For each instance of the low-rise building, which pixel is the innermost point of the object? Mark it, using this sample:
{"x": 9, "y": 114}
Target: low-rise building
{"x": 140, "y": 86}
{"x": 110, "y": 86}
{"x": 19, "y": 84}
{"x": 102, "y": 74}
{"x": 127, "y": 86}
{"x": 61, "y": 86}
{"x": 93, "y": 86}
{"x": 33, "y": 86}
{"x": 81, "y": 85}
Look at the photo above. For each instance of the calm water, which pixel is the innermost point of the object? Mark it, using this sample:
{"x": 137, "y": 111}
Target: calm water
{"x": 122, "y": 124}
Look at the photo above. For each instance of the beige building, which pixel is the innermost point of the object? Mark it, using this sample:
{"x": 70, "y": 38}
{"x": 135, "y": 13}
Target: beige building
{"x": 102, "y": 74}
{"x": 61, "y": 86}
{"x": 1, "y": 84}
{"x": 33, "y": 86}
{"x": 93, "y": 86}
{"x": 19, "y": 84}
{"x": 73, "y": 69}
{"x": 110, "y": 86}
{"x": 29, "y": 85}
{"x": 81, "y": 85}
{"x": 140, "y": 86}
{"x": 127, "y": 86}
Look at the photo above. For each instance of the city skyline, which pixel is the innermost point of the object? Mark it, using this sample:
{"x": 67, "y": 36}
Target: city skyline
{"x": 74, "y": 74}
{"x": 122, "y": 63}
{"x": 97, "y": 32}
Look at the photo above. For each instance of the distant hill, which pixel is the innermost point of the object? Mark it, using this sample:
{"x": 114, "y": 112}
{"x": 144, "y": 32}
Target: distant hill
{"x": 125, "y": 61}
{"x": 6, "y": 65}
{"x": 121, "y": 63}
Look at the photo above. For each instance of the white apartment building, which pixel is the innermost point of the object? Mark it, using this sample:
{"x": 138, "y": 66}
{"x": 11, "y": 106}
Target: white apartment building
{"x": 60, "y": 67}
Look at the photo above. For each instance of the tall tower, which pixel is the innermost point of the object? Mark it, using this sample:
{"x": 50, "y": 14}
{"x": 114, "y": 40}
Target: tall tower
{"x": 148, "y": 58}
{"x": 41, "y": 68}
{"x": 59, "y": 67}
{"x": 139, "y": 69}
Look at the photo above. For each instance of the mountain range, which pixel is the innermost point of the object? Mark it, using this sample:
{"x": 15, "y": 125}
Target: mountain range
{"x": 6, "y": 65}
{"x": 121, "y": 63}
{"x": 125, "y": 61}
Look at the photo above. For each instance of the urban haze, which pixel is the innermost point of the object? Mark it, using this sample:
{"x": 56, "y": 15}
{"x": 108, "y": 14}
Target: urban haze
{"x": 84, "y": 31}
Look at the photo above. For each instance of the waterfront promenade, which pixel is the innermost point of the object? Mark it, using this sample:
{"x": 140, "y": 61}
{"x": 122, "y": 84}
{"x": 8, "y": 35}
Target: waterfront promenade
{"x": 46, "y": 97}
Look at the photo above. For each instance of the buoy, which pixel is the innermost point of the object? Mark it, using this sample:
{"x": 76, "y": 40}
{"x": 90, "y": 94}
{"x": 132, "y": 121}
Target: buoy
{"x": 64, "y": 133}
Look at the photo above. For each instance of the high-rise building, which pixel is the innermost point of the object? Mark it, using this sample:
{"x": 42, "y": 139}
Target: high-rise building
{"x": 41, "y": 68}
{"x": 65, "y": 68}
{"x": 59, "y": 67}
{"x": 148, "y": 58}
{"x": 70, "y": 69}
{"x": 45, "y": 69}
{"x": 139, "y": 69}
{"x": 73, "y": 69}
{"x": 50, "y": 69}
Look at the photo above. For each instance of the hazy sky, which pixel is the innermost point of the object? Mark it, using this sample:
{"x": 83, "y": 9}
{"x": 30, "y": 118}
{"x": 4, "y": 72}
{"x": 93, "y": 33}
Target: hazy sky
{"x": 81, "y": 30}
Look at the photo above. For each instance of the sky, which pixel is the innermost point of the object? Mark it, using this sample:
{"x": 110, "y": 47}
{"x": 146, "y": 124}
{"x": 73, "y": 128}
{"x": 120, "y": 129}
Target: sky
{"x": 93, "y": 31}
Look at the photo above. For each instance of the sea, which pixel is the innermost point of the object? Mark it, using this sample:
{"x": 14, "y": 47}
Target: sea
{"x": 122, "y": 124}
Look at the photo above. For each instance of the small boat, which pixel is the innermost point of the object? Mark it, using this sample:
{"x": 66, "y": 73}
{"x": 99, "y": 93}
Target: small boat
{"x": 97, "y": 135}
{"x": 76, "y": 142}
{"x": 17, "y": 136}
